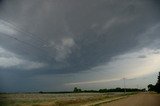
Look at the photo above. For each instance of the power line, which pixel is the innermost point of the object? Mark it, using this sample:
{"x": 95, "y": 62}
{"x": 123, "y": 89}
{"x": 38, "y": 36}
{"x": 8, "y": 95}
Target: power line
{"x": 26, "y": 43}
{"x": 28, "y": 33}
{"x": 7, "y": 23}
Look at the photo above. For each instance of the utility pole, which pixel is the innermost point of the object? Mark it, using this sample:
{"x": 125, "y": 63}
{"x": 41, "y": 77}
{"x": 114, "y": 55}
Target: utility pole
{"x": 124, "y": 85}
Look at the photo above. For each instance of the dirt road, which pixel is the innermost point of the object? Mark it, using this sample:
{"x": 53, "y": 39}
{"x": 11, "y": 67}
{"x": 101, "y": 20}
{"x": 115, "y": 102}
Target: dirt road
{"x": 142, "y": 99}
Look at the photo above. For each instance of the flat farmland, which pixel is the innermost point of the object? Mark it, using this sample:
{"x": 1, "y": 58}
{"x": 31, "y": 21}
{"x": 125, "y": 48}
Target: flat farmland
{"x": 64, "y": 99}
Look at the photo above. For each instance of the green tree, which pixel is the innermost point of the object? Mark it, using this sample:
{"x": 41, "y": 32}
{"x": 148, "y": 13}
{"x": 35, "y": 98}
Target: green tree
{"x": 76, "y": 89}
{"x": 151, "y": 87}
{"x": 157, "y": 86}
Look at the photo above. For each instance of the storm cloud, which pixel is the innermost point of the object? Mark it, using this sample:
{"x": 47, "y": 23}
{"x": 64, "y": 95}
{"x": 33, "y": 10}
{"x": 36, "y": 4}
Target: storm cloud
{"x": 59, "y": 37}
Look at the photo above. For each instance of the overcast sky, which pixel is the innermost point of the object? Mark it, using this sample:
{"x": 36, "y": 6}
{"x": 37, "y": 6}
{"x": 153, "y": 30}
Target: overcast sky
{"x": 55, "y": 45}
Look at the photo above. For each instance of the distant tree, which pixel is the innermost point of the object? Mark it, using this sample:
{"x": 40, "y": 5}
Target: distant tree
{"x": 151, "y": 87}
{"x": 40, "y": 91}
{"x": 157, "y": 86}
{"x": 76, "y": 89}
{"x": 79, "y": 90}
{"x": 144, "y": 90}
{"x": 118, "y": 89}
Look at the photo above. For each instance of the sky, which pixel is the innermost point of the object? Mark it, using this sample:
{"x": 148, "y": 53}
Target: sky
{"x": 56, "y": 45}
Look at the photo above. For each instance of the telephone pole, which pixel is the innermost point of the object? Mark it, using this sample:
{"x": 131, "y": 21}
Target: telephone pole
{"x": 124, "y": 85}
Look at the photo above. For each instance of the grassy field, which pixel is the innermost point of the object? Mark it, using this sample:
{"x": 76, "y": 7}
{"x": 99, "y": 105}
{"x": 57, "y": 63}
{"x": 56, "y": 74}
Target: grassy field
{"x": 65, "y": 99}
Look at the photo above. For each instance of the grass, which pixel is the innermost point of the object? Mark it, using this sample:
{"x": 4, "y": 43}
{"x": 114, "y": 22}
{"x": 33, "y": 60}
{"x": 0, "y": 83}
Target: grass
{"x": 67, "y": 99}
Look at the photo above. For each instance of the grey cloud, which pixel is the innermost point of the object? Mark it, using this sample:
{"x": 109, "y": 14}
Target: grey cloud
{"x": 74, "y": 36}
{"x": 43, "y": 28}
{"x": 142, "y": 56}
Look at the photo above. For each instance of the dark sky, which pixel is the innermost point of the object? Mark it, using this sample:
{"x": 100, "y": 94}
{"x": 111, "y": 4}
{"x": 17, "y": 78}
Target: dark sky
{"x": 58, "y": 44}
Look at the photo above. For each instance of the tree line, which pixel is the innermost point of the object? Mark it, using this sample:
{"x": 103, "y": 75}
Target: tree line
{"x": 76, "y": 90}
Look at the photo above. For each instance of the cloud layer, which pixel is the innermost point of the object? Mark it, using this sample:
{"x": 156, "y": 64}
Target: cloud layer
{"x": 75, "y": 37}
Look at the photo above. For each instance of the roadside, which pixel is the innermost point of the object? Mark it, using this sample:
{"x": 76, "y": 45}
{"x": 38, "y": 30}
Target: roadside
{"x": 107, "y": 100}
{"x": 141, "y": 99}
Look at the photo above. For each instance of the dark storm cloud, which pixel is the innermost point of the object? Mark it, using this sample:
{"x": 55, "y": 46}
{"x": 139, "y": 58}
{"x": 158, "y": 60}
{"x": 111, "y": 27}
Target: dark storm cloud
{"x": 73, "y": 36}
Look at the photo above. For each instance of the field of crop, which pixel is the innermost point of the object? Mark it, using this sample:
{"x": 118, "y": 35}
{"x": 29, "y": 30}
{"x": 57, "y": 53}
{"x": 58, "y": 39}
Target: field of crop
{"x": 64, "y": 99}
